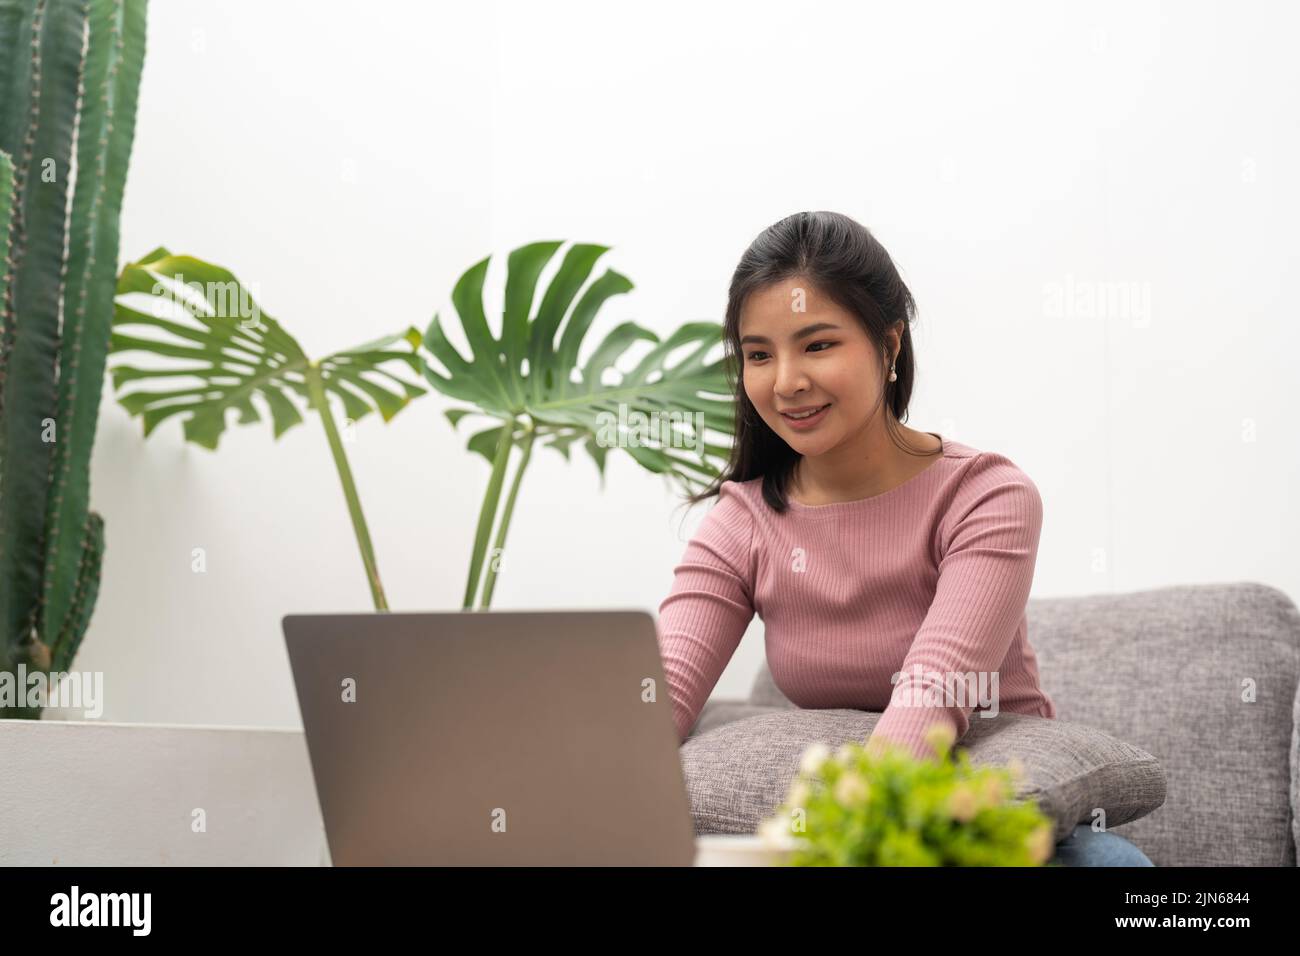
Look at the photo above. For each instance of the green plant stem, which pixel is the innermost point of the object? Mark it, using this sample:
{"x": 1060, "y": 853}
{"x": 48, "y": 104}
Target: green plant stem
{"x": 317, "y": 391}
{"x": 499, "y": 547}
{"x": 487, "y": 513}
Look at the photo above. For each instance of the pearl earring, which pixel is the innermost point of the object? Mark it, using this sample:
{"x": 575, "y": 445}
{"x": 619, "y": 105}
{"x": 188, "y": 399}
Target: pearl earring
{"x": 893, "y": 376}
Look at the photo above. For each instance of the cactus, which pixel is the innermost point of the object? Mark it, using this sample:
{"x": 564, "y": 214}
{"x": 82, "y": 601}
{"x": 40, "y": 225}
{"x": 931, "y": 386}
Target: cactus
{"x": 69, "y": 78}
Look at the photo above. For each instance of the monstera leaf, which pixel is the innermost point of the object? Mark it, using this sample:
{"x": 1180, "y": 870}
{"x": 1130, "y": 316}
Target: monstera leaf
{"x": 530, "y": 380}
{"x": 657, "y": 412}
{"x": 213, "y": 351}
{"x": 229, "y": 354}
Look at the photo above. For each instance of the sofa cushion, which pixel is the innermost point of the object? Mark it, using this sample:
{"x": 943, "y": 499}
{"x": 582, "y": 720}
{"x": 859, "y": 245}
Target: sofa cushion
{"x": 717, "y": 712}
{"x": 738, "y": 772}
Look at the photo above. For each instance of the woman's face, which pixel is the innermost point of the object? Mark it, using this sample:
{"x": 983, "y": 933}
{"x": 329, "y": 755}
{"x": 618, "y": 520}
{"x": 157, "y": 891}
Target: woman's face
{"x": 801, "y": 350}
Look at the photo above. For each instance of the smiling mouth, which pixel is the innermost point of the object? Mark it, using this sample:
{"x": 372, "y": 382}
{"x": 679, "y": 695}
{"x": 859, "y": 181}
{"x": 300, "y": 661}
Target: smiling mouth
{"x": 802, "y": 416}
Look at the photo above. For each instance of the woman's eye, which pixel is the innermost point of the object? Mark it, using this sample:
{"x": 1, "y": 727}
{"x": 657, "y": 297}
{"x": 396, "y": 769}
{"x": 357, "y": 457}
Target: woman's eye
{"x": 760, "y": 356}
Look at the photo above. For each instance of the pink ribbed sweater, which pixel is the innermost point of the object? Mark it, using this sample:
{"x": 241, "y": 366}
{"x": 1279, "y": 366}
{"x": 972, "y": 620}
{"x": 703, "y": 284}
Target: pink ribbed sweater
{"x": 855, "y": 595}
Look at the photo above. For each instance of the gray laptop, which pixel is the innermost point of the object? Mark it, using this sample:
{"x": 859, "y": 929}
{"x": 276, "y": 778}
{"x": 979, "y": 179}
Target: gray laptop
{"x": 467, "y": 738}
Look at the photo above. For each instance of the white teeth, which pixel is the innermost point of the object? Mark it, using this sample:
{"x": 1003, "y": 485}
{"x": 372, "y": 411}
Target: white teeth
{"x": 805, "y": 414}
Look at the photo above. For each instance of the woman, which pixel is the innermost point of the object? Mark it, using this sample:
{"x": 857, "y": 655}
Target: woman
{"x": 891, "y": 566}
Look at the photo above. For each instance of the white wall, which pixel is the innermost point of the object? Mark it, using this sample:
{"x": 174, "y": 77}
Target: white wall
{"x": 349, "y": 165}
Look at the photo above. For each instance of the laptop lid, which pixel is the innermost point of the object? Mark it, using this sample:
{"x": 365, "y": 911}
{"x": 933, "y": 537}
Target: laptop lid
{"x": 533, "y": 738}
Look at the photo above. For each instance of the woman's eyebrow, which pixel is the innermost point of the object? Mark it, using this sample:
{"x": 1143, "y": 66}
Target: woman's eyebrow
{"x": 806, "y": 331}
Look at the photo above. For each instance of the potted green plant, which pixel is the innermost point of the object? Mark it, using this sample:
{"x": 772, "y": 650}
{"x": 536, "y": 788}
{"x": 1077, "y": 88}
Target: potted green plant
{"x": 877, "y": 805}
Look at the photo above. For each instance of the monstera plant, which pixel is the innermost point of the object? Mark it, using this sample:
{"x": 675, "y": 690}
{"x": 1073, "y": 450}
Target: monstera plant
{"x": 213, "y": 350}
{"x": 530, "y": 383}
{"x": 536, "y": 389}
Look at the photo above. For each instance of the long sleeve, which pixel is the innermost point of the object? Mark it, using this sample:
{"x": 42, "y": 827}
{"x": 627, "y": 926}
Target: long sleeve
{"x": 983, "y": 587}
{"x": 709, "y": 607}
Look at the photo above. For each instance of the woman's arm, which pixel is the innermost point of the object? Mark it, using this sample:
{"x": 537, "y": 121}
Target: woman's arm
{"x": 709, "y": 608}
{"x": 984, "y": 581}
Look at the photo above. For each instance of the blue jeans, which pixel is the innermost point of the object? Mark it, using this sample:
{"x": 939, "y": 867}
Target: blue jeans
{"x": 1089, "y": 847}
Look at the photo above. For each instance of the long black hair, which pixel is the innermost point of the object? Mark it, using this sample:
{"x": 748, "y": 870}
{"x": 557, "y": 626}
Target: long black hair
{"x": 842, "y": 260}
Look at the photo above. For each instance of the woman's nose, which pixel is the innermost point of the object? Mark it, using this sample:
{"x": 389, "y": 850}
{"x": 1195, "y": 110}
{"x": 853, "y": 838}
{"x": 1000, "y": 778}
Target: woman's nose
{"x": 790, "y": 380}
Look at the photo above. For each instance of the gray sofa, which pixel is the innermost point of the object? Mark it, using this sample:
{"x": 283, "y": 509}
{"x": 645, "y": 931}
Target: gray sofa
{"x": 1203, "y": 677}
